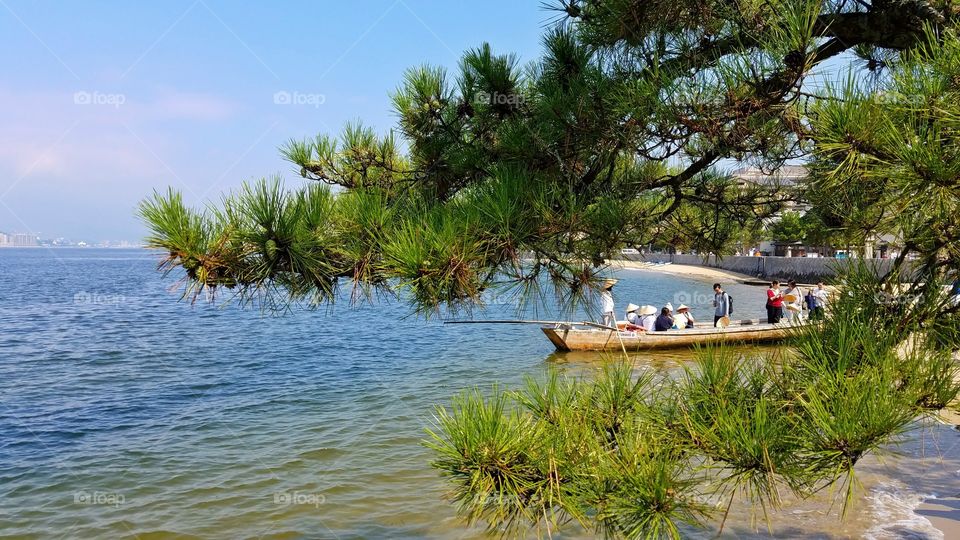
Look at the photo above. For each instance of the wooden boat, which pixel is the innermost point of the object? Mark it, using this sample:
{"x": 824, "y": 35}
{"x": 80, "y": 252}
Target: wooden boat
{"x": 579, "y": 337}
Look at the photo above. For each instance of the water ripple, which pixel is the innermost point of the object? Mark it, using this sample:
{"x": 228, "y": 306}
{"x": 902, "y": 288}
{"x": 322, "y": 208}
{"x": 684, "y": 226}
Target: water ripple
{"x": 124, "y": 412}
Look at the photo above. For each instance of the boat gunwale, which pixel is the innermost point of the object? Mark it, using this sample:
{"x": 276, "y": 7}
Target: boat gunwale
{"x": 683, "y": 332}
{"x": 610, "y": 339}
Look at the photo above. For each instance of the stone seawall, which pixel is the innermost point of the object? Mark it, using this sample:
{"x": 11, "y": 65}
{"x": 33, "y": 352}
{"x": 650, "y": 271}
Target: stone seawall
{"x": 801, "y": 269}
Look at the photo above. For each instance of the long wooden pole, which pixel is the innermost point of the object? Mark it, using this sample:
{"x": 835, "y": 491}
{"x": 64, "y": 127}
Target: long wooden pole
{"x": 583, "y": 323}
{"x": 506, "y": 321}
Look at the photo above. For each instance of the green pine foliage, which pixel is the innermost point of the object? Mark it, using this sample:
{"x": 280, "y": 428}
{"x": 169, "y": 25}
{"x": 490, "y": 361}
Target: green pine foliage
{"x": 638, "y": 456}
{"x": 887, "y": 152}
{"x": 526, "y": 178}
{"x": 612, "y": 139}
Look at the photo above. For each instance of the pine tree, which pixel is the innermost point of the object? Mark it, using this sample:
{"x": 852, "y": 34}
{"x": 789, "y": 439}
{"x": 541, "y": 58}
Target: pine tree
{"x": 532, "y": 176}
{"x": 613, "y": 138}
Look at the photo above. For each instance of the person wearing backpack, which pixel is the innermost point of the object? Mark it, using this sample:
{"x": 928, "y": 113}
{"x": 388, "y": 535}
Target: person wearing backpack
{"x": 723, "y": 303}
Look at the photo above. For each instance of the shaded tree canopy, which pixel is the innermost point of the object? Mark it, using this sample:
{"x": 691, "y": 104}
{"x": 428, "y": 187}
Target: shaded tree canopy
{"x": 524, "y": 176}
{"x": 807, "y": 228}
{"x": 788, "y": 228}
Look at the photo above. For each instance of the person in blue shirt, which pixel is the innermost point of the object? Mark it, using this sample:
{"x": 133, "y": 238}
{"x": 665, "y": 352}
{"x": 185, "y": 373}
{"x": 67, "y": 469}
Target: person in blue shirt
{"x": 664, "y": 322}
{"x": 721, "y": 301}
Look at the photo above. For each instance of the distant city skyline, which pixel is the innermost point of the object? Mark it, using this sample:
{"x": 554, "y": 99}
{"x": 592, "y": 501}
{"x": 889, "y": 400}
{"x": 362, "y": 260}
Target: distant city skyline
{"x": 106, "y": 103}
{"x": 31, "y": 239}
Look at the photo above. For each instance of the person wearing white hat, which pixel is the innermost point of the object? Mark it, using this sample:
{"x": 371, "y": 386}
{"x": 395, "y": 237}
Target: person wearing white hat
{"x": 607, "y": 305}
{"x": 632, "y": 316}
{"x": 683, "y": 319}
{"x": 648, "y": 317}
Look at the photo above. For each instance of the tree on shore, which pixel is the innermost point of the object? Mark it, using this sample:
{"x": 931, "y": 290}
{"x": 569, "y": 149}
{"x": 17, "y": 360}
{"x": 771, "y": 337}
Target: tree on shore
{"x": 612, "y": 138}
{"x": 789, "y": 227}
{"x": 530, "y": 177}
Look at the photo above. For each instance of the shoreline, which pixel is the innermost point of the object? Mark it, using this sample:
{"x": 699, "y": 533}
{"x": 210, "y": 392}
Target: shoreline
{"x": 943, "y": 513}
{"x": 940, "y": 503}
{"x": 705, "y": 272}
{"x": 942, "y": 509}
{"x": 686, "y": 270}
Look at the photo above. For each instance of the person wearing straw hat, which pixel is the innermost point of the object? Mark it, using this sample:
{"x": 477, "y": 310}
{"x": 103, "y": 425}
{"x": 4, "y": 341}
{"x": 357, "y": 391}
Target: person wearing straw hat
{"x": 683, "y": 319}
{"x": 633, "y": 319}
{"x": 607, "y": 305}
{"x": 721, "y": 301}
{"x": 648, "y": 317}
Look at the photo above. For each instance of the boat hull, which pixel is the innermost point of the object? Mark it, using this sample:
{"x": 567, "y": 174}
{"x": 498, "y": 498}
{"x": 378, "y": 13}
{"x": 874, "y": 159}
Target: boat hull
{"x": 577, "y": 339}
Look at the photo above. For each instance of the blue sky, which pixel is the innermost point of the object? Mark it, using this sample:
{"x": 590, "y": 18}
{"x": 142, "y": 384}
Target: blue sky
{"x": 103, "y": 102}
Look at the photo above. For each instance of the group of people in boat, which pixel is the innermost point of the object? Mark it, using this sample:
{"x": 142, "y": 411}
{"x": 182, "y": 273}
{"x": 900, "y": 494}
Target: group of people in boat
{"x": 645, "y": 318}
{"x": 788, "y": 304}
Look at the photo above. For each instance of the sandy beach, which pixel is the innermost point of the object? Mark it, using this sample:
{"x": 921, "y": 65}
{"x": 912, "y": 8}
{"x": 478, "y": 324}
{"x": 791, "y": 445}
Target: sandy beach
{"x": 944, "y": 514}
{"x": 683, "y": 270}
{"x": 943, "y": 508}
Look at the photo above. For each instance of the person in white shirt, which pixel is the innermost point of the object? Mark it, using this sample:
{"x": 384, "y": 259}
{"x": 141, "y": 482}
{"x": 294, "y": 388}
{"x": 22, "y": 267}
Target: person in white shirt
{"x": 606, "y": 304}
{"x": 632, "y": 317}
{"x": 821, "y": 297}
{"x": 683, "y": 318}
{"x": 647, "y": 316}
{"x": 793, "y": 308}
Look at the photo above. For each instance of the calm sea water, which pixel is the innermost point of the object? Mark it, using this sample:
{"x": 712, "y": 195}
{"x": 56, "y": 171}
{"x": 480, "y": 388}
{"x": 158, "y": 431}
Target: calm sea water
{"x": 124, "y": 412}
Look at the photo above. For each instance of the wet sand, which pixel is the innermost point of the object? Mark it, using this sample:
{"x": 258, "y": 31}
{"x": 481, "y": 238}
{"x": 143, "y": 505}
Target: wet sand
{"x": 943, "y": 508}
{"x": 944, "y": 514}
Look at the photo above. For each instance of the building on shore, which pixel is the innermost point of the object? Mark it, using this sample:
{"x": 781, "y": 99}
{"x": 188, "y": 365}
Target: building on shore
{"x": 18, "y": 240}
{"x": 791, "y": 179}
{"x": 788, "y": 178}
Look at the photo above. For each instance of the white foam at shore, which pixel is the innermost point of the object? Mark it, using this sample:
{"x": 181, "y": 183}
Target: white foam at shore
{"x": 894, "y": 510}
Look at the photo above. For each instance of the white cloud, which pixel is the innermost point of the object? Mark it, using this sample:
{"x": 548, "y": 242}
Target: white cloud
{"x": 91, "y": 133}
